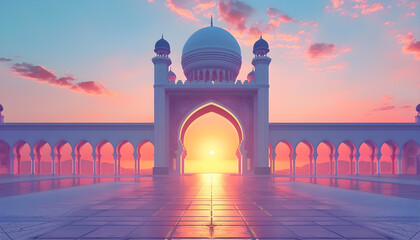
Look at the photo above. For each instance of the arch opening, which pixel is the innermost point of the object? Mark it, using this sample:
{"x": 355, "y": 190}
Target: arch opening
{"x": 145, "y": 156}
{"x": 210, "y": 140}
{"x": 283, "y": 158}
{"x": 5, "y": 158}
{"x": 63, "y": 158}
{"x": 83, "y": 162}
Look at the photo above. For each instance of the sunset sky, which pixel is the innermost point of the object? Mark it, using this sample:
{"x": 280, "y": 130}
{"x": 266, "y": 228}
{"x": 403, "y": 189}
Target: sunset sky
{"x": 90, "y": 61}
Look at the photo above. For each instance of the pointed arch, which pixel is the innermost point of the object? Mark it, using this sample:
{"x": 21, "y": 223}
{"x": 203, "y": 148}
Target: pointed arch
{"x": 283, "y": 158}
{"x": 84, "y": 162}
{"x": 106, "y": 160}
{"x": 346, "y": 153}
{"x": 200, "y": 110}
{"x": 63, "y": 157}
{"x": 22, "y": 152}
{"x": 145, "y": 157}
{"x": 325, "y": 150}
{"x": 5, "y": 158}
{"x": 42, "y": 151}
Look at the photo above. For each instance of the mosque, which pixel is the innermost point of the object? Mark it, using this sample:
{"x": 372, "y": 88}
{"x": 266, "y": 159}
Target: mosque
{"x": 211, "y": 60}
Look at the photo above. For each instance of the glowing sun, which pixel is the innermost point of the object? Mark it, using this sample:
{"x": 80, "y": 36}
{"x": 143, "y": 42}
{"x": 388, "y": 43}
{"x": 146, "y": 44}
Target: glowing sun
{"x": 211, "y": 152}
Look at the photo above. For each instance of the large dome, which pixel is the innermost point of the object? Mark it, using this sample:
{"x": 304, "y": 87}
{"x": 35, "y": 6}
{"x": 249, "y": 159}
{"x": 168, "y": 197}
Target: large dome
{"x": 211, "y": 53}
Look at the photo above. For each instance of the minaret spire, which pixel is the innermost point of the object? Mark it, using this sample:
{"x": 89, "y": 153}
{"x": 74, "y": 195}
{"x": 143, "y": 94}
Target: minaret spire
{"x": 211, "y": 21}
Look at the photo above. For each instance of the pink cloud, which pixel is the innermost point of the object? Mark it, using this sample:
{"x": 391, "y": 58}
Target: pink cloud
{"x": 2, "y": 59}
{"x": 367, "y": 9}
{"x": 178, "y": 7}
{"x": 405, "y": 38}
{"x": 235, "y": 13}
{"x": 204, "y": 6}
{"x": 321, "y": 50}
{"x": 287, "y": 37}
{"x": 41, "y": 74}
{"x": 336, "y": 3}
{"x": 90, "y": 87}
{"x": 354, "y": 8}
{"x": 387, "y": 23}
{"x": 412, "y": 48}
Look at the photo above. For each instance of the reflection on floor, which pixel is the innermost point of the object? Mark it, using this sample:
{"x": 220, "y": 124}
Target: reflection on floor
{"x": 208, "y": 206}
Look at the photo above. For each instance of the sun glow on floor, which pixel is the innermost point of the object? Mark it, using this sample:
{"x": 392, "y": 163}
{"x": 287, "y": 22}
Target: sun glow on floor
{"x": 211, "y": 142}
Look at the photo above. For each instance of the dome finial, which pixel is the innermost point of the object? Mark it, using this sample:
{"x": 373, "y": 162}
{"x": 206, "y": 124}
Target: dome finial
{"x": 162, "y": 35}
{"x": 211, "y": 20}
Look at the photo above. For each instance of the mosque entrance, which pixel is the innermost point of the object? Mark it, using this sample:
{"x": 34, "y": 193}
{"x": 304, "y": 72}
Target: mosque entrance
{"x": 211, "y": 137}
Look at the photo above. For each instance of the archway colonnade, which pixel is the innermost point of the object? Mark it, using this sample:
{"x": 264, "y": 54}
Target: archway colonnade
{"x": 344, "y": 158}
{"x": 83, "y": 158}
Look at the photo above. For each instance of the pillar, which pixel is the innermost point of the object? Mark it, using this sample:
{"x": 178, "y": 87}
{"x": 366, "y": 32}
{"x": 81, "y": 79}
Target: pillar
{"x": 294, "y": 162}
{"x": 291, "y": 163}
{"x": 315, "y": 158}
{"x": 372, "y": 165}
{"x": 336, "y": 162}
{"x": 73, "y": 156}
{"x": 94, "y": 162}
{"x": 351, "y": 156}
{"x": 116, "y": 163}
{"x": 400, "y": 156}
{"x": 357, "y": 162}
{"x": 32, "y": 155}
{"x": 12, "y": 163}
{"x": 331, "y": 164}
{"x": 52, "y": 162}
{"x": 136, "y": 163}
{"x": 378, "y": 161}
{"x": 273, "y": 156}
{"x": 18, "y": 158}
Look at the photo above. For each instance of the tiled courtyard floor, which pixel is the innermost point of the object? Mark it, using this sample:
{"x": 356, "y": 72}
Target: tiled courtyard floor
{"x": 206, "y": 207}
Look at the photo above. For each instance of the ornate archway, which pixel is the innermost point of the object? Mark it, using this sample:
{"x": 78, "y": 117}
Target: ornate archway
{"x": 209, "y": 107}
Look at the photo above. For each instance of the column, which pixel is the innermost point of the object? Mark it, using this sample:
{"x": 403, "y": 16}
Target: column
{"x": 393, "y": 155}
{"x": 351, "y": 156}
{"x": 294, "y": 162}
{"x": 32, "y": 155}
{"x": 273, "y": 156}
{"x": 315, "y": 158}
{"x": 73, "y": 156}
{"x": 400, "y": 156}
{"x": 357, "y": 162}
{"x": 12, "y": 163}
{"x": 136, "y": 163}
{"x": 52, "y": 162}
{"x": 291, "y": 163}
{"x": 18, "y": 158}
{"x": 94, "y": 162}
{"x": 115, "y": 156}
{"x": 331, "y": 164}
{"x": 378, "y": 161}
{"x": 372, "y": 165}
{"x": 336, "y": 162}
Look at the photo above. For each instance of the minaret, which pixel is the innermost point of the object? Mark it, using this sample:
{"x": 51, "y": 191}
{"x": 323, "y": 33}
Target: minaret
{"x": 161, "y": 62}
{"x": 1, "y": 115}
{"x": 261, "y": 63}
{"x": 418, "y": 114}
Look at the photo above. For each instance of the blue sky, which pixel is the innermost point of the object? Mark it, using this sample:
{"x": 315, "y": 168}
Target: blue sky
{"x": 333, "y": 61}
